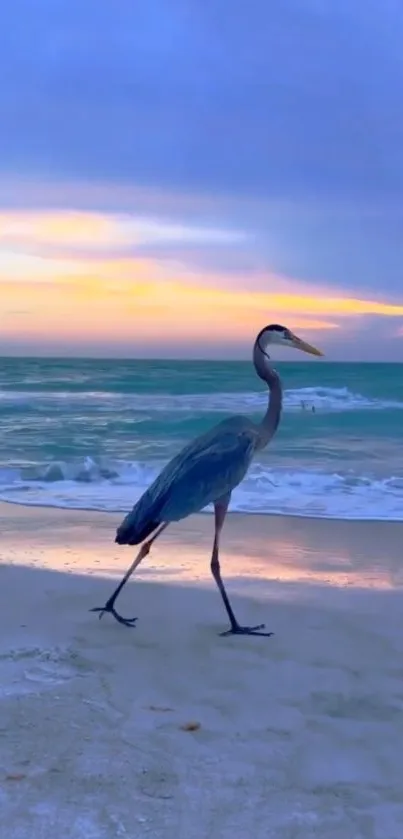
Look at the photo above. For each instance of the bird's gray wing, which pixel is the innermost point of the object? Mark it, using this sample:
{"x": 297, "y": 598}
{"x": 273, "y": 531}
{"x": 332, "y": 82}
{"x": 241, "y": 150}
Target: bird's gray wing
{"x": 206, "y": 469}
{"x": 209, "y": 469}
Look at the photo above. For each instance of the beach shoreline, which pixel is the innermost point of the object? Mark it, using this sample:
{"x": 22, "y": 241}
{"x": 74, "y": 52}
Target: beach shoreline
{"x": 295, "y": 548}
{"x": 291, "y": 736}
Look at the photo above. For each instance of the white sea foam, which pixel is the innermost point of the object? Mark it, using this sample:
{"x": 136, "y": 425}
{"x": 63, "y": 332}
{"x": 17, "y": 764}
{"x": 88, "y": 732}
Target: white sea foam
{"x": 116, "y": 485}
{"x": 326, "y": 399}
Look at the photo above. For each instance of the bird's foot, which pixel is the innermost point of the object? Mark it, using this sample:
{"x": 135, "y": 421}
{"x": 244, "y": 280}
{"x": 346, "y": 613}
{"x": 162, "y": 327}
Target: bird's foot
{"x": 246, "y": 630}
{"x": 109, "y": 607}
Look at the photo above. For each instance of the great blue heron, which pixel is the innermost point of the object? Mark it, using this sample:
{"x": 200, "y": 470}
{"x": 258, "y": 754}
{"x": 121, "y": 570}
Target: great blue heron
{"x": 206, "y": 471}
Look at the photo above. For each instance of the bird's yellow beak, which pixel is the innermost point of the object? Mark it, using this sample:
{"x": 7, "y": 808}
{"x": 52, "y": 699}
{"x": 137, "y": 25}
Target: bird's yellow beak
{"x": 304, "y": 347}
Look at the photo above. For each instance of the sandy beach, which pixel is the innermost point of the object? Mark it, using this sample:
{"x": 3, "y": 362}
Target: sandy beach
{"x": 294, "y": 736}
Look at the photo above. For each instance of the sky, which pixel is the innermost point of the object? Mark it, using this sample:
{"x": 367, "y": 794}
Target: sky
{"x": 176, "y": 174}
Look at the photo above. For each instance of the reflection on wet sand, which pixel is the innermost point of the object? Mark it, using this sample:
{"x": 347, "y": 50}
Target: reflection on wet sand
{"x": 260, "y": 548}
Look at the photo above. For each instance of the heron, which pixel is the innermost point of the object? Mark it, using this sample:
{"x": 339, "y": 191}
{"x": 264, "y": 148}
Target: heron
{"x": 206, "y": 471}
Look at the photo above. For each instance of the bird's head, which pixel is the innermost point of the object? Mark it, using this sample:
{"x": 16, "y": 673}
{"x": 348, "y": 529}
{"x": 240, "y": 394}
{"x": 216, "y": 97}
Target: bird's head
{"x": 283, "y": 337}
{"x": 276, "y": 335}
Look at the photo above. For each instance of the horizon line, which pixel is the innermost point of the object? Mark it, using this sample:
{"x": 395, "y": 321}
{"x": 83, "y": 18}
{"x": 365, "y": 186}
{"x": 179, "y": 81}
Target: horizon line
{"x": 201, "y": 360}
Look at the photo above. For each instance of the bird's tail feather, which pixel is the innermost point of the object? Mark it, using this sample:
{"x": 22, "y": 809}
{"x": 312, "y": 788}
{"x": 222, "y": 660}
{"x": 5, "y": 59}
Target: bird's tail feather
{"x": 131, "y": 532}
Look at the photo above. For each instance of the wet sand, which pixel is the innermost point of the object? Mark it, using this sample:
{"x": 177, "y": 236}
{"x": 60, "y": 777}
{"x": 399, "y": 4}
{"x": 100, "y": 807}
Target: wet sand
{"x": 294, "y": 736}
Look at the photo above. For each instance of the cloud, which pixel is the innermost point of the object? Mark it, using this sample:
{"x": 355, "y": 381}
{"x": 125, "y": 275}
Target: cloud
{"x": 111, "y": 276}
{"x": 74, "y": 230}
{"x": 139, "y": 305}
{"x": 280, "y": 99}
{"x": 192, "y": 235}
{"x": 227, "y": 143}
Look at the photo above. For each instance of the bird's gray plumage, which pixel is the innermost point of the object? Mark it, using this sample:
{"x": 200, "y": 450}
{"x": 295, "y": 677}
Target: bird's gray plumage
{"x": 204, "y": 471}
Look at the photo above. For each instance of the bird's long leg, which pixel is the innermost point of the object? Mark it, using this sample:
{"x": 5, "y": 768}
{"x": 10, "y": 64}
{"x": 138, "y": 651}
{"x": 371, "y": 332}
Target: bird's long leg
{"x": 110, "y": 604}
{"x": 220, "y": 511}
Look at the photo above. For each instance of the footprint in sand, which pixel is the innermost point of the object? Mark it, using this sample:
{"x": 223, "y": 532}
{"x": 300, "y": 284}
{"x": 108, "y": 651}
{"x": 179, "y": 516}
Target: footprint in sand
{"x": 156, "y": 783}
{"x": 32, "y": 670}
{"x": 49, "y": 674}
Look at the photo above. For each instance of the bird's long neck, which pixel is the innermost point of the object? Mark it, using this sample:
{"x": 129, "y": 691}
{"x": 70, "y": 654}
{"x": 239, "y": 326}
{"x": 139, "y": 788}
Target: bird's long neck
{"x": 271, "y": 419}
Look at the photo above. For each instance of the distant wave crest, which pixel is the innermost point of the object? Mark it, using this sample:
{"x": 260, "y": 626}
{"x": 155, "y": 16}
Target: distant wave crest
{"x": 323, "y": 399}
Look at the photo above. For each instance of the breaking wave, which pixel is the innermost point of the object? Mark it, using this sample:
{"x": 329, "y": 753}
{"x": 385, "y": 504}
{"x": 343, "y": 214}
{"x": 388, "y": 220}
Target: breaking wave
{"x": 116, "y": 485}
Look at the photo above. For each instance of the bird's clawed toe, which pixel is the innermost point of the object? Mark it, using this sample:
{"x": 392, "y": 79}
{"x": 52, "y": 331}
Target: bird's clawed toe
{"x": 112, "y": 611}
{"x": 246, "y": 630}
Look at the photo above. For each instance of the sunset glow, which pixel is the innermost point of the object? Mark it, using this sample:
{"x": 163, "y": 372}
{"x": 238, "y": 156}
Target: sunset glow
{"x": 166, "y": 187}
{"x": 78, "y": 280}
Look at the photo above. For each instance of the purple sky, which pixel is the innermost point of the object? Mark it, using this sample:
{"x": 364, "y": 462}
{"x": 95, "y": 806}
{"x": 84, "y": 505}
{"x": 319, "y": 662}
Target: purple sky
{"x": 281, "y": 119}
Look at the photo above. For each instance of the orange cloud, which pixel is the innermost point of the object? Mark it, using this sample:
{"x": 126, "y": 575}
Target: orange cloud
{"x": 79, "y": 300}
{"x": 88, "y": 308}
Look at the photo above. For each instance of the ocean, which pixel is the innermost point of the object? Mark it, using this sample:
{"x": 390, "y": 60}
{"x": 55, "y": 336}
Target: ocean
{"x": 92, "y": 434}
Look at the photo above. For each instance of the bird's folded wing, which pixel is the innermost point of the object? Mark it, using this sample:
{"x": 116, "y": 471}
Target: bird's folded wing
{"x": 205, "y": 473}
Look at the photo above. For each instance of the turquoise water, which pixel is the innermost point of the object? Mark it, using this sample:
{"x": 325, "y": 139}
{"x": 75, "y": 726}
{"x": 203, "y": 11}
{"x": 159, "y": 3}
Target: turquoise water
{"x": 93, "y": 434}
